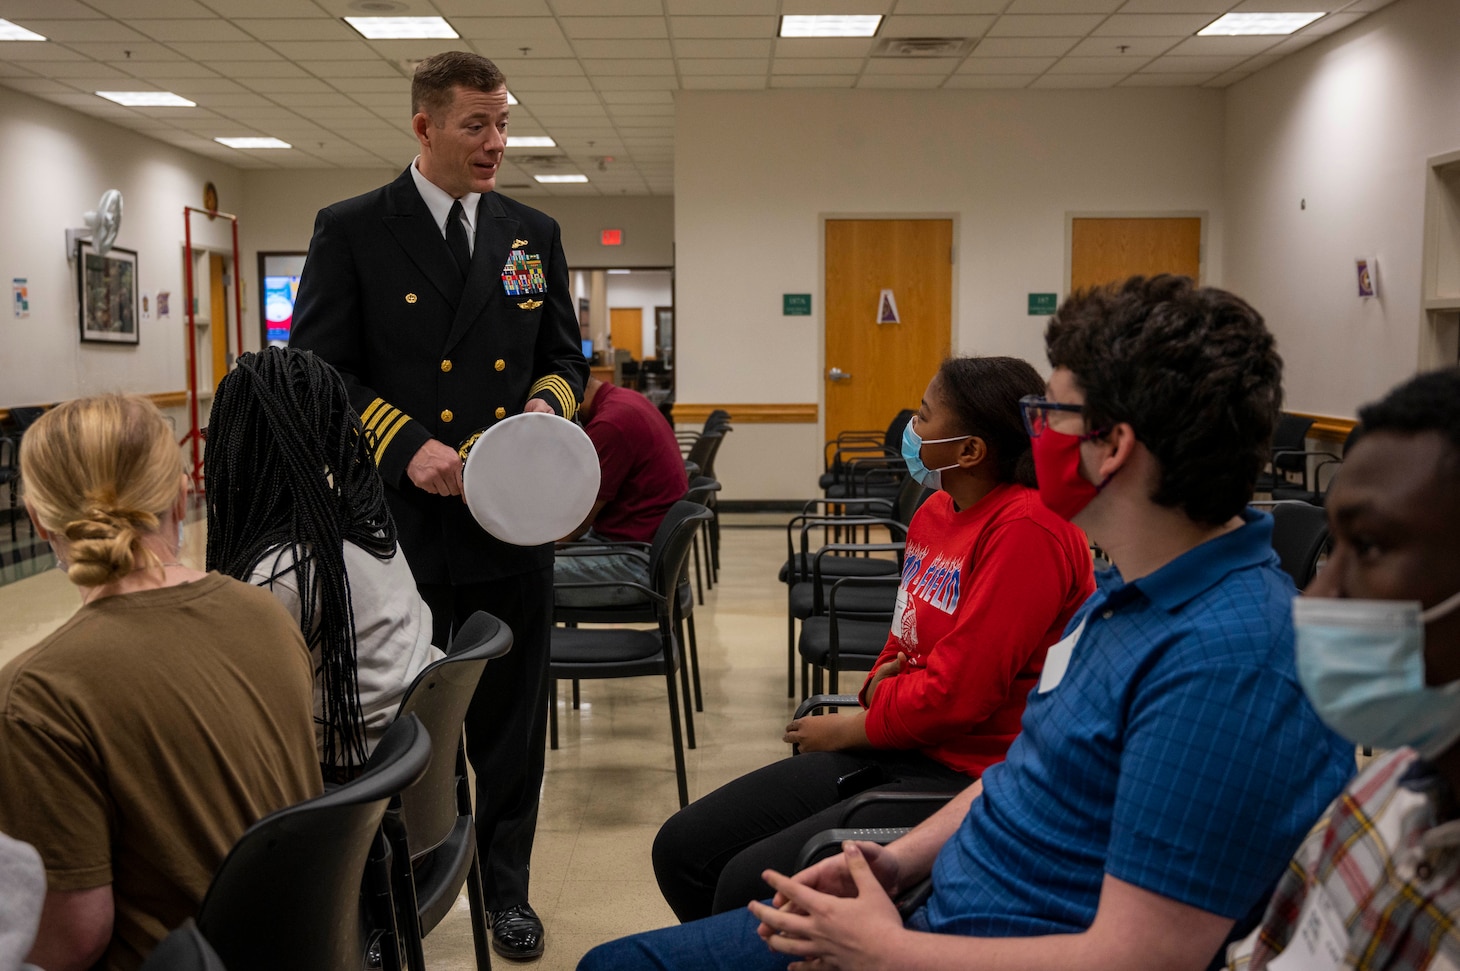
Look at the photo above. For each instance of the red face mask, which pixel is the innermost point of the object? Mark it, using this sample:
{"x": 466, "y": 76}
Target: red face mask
{"x": 1063, "y": 490}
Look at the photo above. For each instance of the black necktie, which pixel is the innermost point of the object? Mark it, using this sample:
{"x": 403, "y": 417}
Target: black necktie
{"x": 456, "y": 238}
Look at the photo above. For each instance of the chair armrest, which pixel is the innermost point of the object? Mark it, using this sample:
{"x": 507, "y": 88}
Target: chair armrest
{"x": 863, "y": 801}
{"x": 856, "y": 548}
{"x": 817, "y": 847}
{"x": 825, "y": 701}
{"x": 884, "y": 504}
{"x": 588, "y": 547}
{"x": 653, "y": 595}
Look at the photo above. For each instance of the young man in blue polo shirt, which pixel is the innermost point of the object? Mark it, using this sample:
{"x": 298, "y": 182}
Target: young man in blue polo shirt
{"x": 1169, "y": 763}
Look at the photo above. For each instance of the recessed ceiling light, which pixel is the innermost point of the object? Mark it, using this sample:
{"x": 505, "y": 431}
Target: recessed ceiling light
{"x": 1243, "y": 24}
{"x": 530, "y": 141}
{"x": 252, "y": 141}
{"x": 619, "y": 272}
{"x": 853, "y": 25}
{"x": 147, "y": 99}
{"x": 9, "y": 31}
{"x": 401, "y": 28}
{"x": 551, "y": 179}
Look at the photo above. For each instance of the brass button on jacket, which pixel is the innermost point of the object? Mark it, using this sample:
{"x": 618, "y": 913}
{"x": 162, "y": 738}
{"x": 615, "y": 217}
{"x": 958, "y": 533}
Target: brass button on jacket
{"x": 501, "y": 412}
{"x": 445, "y": 365}
{"x": 501, "y": 365}
{"x": 447, "y": 415}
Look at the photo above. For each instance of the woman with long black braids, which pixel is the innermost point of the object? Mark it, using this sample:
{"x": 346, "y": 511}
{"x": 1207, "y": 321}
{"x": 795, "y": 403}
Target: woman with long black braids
{"x": 295, "y": 505}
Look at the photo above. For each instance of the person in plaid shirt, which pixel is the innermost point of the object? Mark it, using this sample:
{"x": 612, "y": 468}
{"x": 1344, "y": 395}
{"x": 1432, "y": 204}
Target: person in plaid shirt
{"x": 1377, "y": 882}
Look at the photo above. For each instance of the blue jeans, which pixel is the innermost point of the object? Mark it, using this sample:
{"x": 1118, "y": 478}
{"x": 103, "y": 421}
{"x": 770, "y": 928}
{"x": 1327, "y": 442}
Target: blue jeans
{"x": 725, "y": 942}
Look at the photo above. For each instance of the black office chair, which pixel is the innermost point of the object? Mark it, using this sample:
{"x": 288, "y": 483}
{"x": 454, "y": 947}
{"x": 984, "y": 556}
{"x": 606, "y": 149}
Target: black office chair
{"x": 865, "y": 463}
{"x": 702, "y": 490}
{"x": 1300, "y": 537}
{"x": 10, "y": 476}
{"x": 703, "y": 454}
{"x": 307, "y": 888}
{"x": 185, "y": 949}
{"x": 581, "y": 653}
{"x": 1287, "y": 455}
{"x": 430, "y": 825}
{"x": 833, "y": 642}
{"x": 1316, "y": 491}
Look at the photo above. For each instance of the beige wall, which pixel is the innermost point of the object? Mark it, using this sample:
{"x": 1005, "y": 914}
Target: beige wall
{"x": 1345, "y": 125}
{"x": 755, "y": 174}
{"x": 54, "y": 165}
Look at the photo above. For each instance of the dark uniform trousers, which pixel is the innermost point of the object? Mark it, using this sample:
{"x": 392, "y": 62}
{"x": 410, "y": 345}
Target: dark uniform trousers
{"x": 428, "y": 352}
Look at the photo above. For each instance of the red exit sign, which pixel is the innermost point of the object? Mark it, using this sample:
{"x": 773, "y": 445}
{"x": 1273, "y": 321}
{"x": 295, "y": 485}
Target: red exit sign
{"x": 611, "y": 237}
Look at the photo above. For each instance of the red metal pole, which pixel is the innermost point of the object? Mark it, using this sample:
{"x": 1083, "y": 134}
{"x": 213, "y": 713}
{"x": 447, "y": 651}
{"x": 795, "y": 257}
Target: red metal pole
{"x": 191, "y": 336}
{"x": 237, "y": 288}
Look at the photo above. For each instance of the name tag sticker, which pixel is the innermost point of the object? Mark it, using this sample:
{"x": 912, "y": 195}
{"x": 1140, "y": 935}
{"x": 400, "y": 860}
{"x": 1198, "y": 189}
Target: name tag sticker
{"x": 1057, "y": 660}
{"x": 1319, "y": 941}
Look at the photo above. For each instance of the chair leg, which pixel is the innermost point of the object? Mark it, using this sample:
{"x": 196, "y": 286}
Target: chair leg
{"x": 689, "y": 714}
{"x": 714, "y": 528}
{"x": 815, "y": 680}
{"x": 679, "y": 775}
{"x": 694, "y": 662}
{"x": 790, "y": 655}
{"x": 833, "y": 679}
{"x": 699, "y": 582}
{"x": 403, "y": 893}
{"x": 576, "y": 699}
{"x": 553, "y": 714}
{"x": 480, "y": 932}
{"x": 709, "y": 560}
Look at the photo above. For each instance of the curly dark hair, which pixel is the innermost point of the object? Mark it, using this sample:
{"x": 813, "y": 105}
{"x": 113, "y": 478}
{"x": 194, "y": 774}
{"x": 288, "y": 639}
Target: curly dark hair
{"x": 1192, "y": 369}
{"x": 984, "y": 393}
{"x": 1428, "y": 402}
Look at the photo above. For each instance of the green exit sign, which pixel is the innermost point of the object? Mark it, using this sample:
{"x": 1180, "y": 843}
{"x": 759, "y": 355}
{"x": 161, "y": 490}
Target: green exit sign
{"x": 1042, "y": 304}
{"x": 796, "y": 305}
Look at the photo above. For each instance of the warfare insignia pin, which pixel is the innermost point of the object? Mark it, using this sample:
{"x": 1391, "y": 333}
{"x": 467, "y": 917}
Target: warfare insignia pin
{"x": 530, "y": 304}
{"x": 518, "y": 242}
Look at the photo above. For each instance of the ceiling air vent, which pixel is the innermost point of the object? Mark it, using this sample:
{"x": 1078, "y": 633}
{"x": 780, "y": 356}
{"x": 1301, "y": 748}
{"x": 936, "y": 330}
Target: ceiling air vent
{"x": 922, "y": 47}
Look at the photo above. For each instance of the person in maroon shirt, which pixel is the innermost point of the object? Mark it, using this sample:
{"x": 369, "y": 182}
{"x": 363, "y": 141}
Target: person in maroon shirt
{"x": 642, "y": 475}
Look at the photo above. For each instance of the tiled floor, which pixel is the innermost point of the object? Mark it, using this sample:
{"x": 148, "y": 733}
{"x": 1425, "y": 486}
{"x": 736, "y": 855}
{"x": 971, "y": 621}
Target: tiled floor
{"x": 611, "y": 783}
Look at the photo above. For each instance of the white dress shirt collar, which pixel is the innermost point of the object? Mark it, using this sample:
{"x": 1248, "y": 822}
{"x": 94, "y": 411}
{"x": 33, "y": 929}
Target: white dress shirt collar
{"x": 439, "y": 201}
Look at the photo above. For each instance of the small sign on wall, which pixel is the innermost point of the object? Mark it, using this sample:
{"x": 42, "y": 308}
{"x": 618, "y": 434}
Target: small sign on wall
{"x": 20, "y": 287}
{"x": 1043, "y": 304}
{"x": 1367, "y": 270}
{"x": 887, "y": 308}
{"x": 795, "y": 305}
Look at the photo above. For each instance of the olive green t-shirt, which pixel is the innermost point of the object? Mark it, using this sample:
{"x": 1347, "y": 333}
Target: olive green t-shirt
{"x": 141, "y": 739}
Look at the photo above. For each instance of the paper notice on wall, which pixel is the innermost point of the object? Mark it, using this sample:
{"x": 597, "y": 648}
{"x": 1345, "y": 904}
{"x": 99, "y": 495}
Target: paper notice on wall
{"x": 162, "y": 308}
{"x": 19, "y": 286}
{"x": 1365, "y": 269}
{"x": 146, "y": 305}
{"x": 887, "y": 309}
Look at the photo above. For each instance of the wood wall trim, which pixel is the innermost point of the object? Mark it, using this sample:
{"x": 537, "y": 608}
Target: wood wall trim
{"x": 1328, "y": 428}
{"x": 686, "y": 413}
{"x": 162, "y": 399}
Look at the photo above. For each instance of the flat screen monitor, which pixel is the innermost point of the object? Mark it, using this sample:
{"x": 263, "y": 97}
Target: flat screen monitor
{"x": 279, "y": 293}
{"x": 588, "y": 349}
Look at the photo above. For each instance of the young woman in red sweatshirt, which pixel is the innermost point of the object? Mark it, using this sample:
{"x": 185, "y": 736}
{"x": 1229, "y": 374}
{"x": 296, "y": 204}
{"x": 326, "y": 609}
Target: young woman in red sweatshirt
{"x": 990, "y": 578}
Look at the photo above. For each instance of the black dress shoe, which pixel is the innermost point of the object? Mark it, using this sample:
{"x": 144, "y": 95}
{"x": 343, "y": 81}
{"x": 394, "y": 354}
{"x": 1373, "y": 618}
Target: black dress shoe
{"x": 516, "y": 933}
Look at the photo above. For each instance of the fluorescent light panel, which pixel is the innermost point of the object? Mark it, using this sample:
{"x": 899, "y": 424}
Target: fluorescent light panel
{"x": 619, "y": 272}
{"x": 253, "y": 141}
{"x": 840, "y": 25}
{"x": 511, "y": 98}
{"x": 554, "y": 179}
{"x": 1248, "y": 24}
{"x": 9, "y": 31}
{"x": 530, "y": 141}
{"x": 147, "y": 99}
{"x": 401, "y": 28}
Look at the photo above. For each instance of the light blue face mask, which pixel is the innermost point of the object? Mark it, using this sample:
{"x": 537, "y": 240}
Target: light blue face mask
{"x": 912, "y": 454}
{"x": 1361, "y": 663}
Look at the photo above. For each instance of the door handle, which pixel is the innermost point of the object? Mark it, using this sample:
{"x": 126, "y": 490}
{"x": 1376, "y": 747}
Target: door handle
{"x": 837, "y": 374}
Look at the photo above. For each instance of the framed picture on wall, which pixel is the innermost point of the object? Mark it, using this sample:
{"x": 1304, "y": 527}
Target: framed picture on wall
{"x": 106, "y": 294}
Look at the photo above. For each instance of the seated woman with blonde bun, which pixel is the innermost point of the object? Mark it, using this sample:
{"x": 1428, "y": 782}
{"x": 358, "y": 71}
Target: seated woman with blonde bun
{"x": 140, "y": 739}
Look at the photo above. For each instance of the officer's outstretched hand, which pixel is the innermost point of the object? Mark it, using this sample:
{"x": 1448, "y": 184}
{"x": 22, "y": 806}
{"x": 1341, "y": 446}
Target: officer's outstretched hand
{"x": 436, "y": 468}
{"x": 537, "y": 404}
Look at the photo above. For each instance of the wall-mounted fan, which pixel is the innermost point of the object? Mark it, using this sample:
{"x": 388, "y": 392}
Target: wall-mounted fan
{"x": 102, "y": 225}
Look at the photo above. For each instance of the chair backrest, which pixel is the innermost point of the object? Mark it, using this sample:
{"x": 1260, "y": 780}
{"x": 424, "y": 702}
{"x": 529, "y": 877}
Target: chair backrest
{"x": 701, "y": 488}
{"x": 910, "y": 495}
{"x": 702, "y": 453}
{"x": 1291, "y": 436}
{"x": 669, "y": 551}
{"x": 717, "y": 420}
{"x": 24, "y": 416}
{"x": 288, "y": 895}
{"x": 892, "y": 438}
{"x": 439, "y": 697}
{"x": 185, "y": 949}
{"x": 1299, "y": 536}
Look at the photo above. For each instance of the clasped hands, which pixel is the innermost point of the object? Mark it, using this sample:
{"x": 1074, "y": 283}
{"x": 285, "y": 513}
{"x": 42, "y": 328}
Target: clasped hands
{"x": 836, "y": 914}
{"x": 436, "y": 467}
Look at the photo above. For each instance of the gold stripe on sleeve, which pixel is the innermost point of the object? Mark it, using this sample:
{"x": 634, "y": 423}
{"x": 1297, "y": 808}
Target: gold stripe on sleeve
{"x": 395, "y": 426}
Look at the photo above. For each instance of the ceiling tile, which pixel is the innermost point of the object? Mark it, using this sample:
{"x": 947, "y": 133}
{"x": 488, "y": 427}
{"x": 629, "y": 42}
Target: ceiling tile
{"x": 242, "y": 70}
{"x": 818, "y": 65}
{"x": 287, "y": 9}
{"x": 1006, "y": 65}
{"x": 635, "y": 66}
{"x": 1227, "y": 78}
{"x": 836, "y": 6}
{"x": 1076, "y": 81}
{"x": 756, "y": 27}
{"x": 1064, "y": 6}
{"x": 158, "y": 70}
{"x": 125, "y": 51}
{"x": 492, "y": 8}
{"x": 1152, "y": 25}
{"x": 66, "y": 31}
{"x": 1192, "y": 65}
{"x": 1098, "y": 65}
{"x": 323, "y": 50}
{"x": 396, "y": 86}
{"x": 1044, "y": 25}
{"x": 1165, "y": 80}
{"x": 701, "y": 8}
{"x": 37, "y": 85}
{"x": 565, "y": 98}
{"x": 508, "y": 28}
{"x": 899, "y": 81}
{"x": 989, "y": 80}
{"x": 8, "y": 70}
{"x": 638, "y": 98}
{"x": 911, "y": 65}
{"x": 1332, "y": 23}
{"x": 950, "y": 6}
{"x": 1219, "y": 46}
{"x": 45, "y": 52}
{"x": 1134, "y": 46}
{"x": 823, "y": 46}
{"x": 500, "y": 47}
{"x": 686, "y": 47}
{"x": 127, "y": 9}
{"x": 526, "y": 67}
{"x": 621, "y": 48}
{"x": 637, "y": 84}
{"x": 212, "y": 87}
{"x": 1022, "y": 47}
{"x": 900, "y": 26}
{"x": 525, "y": 87}
{"x": 243, "y": 51}
{"x": 707, "y": 66}
{"x": 608, "y": 8}
{"x": 313, "y": 29}
{"x": 277, "y": 85}
{"x": 576, "y": 27}
{"x": 641, "y": 111}
{"x": 357, "y": 69}
{"x": 726, "y": 81}
{"x": 224, "y": 101}
{"x": 1296, "y": 42}
{"x": 170, "y": 31}
{"x": 1212, "y": 7}
{"x": 17, "y": 11}
{"x": 1289, "y": 6}
{"x": 812, "y": 81}
{"x": 77, "y": 71}
{"x": 321, "y": 99}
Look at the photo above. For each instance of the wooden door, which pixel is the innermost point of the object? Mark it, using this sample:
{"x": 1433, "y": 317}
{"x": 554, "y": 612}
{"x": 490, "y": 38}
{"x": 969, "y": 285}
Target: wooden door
{"x": 1110, "y": 250}
{"x": 218, "y": 316}
{"x": 626, "y": 325}
{"x": 887, "y": 365}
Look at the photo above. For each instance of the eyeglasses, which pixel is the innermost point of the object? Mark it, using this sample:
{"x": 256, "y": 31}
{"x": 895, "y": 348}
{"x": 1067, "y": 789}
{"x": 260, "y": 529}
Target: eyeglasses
{"x": 1036, "y": 408}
